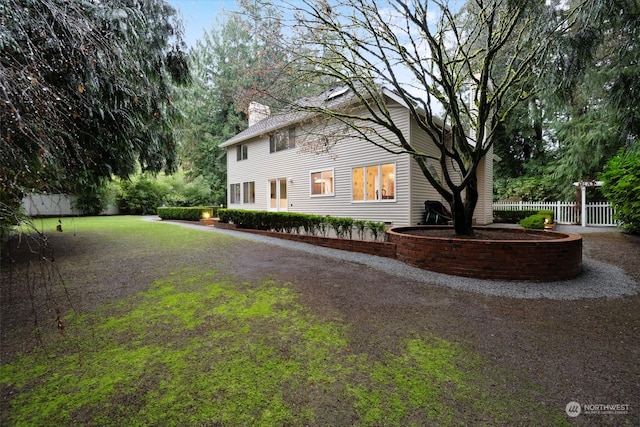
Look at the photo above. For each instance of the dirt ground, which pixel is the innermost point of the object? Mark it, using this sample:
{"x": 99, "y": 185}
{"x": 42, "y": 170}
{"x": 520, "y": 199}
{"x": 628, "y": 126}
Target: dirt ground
{"x": 585, "y": 350}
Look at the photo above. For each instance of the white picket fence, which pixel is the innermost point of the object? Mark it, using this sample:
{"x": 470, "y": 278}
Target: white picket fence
{"x": 598, "y": 213}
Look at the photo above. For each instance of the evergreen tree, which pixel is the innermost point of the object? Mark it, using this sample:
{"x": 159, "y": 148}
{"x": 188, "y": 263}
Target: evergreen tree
{"x": 240, "y": 61}
{"x": 595, "y": 91}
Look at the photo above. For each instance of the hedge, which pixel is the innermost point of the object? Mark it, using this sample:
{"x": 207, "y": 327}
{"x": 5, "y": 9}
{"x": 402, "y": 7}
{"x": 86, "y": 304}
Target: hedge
{"x": 512, "y": 217}
{"x": 192, "y": 213}
{"x": 292, "y": 222}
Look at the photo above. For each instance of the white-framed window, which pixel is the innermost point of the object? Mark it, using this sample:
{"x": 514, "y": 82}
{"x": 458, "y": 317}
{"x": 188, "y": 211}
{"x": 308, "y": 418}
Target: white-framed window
{"x": 249, "y": 192}
{"x": 284, "y": 139}
{"x": 234, "y": 193}
{"x": 322, "y": 183}
{"x": 374, "y": 183}
{"x": 242, "y": 152}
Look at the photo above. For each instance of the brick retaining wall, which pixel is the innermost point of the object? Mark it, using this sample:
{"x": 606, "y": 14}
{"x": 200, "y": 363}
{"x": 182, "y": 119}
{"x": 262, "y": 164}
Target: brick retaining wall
{"x": 530, "y": 260}
{"x": 384, "y": 249}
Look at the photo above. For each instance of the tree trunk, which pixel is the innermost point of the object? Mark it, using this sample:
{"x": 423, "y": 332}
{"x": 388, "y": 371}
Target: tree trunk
{"x": 462, "y": 210}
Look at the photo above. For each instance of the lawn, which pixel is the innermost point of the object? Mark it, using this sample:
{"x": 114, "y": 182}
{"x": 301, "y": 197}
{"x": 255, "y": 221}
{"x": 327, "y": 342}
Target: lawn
{"x": 195, "y": 345}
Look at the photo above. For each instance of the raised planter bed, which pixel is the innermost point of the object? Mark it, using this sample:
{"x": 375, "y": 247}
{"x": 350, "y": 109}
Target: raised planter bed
{"x": 505, "y": 254}
{"x": 384, "y": 249}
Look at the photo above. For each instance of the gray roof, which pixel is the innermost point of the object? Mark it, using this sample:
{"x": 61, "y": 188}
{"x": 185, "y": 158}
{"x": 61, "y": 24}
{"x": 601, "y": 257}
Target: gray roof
{"x": 265, "y": 126}
{"x": 300, "y": 110}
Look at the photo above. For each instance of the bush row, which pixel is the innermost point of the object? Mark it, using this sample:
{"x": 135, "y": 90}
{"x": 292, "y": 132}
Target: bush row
{"x": 143, "y": 193}
{"x": 194, "y": 213}
{"x": 314, "y": 225}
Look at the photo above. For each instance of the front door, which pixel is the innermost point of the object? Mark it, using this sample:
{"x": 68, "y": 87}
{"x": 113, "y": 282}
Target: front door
{"x": 278, "y": 194}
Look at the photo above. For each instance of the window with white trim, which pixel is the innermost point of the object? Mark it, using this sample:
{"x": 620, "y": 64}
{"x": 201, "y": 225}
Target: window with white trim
{"x": 284, "y": 139}
{"x": 242, "y": 152}
{"x": 374, "y": 183}
{"x": 234, "y": 193}
{"x": 322, "y": 183}
{"x": 249, "y": 192}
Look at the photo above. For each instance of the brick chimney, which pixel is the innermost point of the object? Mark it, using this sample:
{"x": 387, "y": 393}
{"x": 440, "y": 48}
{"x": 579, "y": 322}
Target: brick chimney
{"x": 258, "y": 112}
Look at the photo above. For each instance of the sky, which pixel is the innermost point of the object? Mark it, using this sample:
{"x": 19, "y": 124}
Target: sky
{"x": 200, "y": 15}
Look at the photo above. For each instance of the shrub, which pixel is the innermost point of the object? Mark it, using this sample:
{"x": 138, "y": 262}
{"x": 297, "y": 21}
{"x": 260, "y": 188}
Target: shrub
{"x": 225, "y": 215}
{"x": 539, "y": 188}
{"x": 361, "y": 226}
{"x": 142, "y": 195}
{"x": 622, "y": 188}
{"x": 196, "y": 192}
{"x": 376, "y": 228}
{"x": 343, "y": 227}
{"x": 548, "y": 215}
{"x": 312, "y": 224}
{"x": 535, "y": 222}
{"x": 94, "y": 199}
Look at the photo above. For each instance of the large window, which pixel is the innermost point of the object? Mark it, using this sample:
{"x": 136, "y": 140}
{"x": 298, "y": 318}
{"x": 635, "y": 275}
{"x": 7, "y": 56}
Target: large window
{"x": 234, "y": 193}
{"x": 282, "y": 140}
{"x": 249, "y": 192}
{"x": 322, "y": 183}
{"x": 373, "y": 183}
{"x": 242, "y": 152}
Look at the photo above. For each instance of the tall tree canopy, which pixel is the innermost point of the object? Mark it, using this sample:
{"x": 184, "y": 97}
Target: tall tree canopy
{"x": 471, "y": 72}
{"x": 240, "y": 60}
{"x": 586, "y": 105}
{"x": 595, "y": 97}
{"x": 86, "y": 91}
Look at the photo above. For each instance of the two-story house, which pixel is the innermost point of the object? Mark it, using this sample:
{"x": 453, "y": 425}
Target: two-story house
{"x": 275, "y": 165}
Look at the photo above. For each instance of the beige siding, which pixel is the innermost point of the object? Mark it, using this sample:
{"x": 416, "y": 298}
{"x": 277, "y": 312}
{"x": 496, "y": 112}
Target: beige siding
{"x": 484, "y": 209}
{"x": 296, "y": 166}
{"x": 421, "y": 189}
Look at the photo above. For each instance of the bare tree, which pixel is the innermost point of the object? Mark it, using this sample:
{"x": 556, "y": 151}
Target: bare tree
{"x": 460, "y": 73}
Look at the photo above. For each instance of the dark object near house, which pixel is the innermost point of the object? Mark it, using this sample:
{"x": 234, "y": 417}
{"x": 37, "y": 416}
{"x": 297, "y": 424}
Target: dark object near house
{"x": 435, "y": 213}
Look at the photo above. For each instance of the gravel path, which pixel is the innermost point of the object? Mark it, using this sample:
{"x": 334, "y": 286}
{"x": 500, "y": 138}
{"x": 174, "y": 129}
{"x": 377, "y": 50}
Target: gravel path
{"x": 599, "y": 279}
